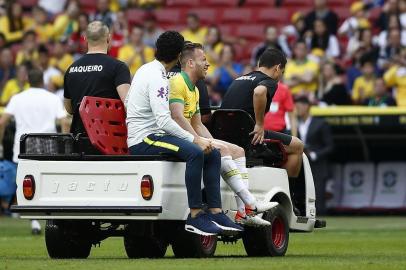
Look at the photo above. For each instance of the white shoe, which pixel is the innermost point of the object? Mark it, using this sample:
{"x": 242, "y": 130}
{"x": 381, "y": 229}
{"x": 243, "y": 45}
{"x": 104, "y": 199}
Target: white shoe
{"x": 261, "y": 207}
{"x": 252, "y": 221}
{"x": 35, "y": 227}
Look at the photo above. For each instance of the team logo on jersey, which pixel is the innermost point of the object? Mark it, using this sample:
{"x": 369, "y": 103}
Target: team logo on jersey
{"x": 163, "y": 93}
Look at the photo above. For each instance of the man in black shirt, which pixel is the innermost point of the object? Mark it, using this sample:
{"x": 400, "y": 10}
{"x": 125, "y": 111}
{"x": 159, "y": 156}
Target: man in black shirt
{"x": 253, "y": 93}
{"x": 94, "y": 74}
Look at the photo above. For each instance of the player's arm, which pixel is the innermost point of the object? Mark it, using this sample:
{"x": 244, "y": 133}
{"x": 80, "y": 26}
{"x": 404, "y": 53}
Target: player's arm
{"x": 122, "y": 91}
{"x": 68, "y": 105}
{"x": 293, "y": 123}
{"x": 177, "y": 109}
{"x": 259, "y": 98}
{"x": 199, "y": 127}
{"x": 122, "y": 81}
{"x": 4, "y": 120}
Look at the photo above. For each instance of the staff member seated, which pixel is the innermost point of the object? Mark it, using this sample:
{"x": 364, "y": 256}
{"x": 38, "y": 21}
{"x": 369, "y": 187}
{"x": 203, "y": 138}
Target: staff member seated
{"x": 253, "y": 93}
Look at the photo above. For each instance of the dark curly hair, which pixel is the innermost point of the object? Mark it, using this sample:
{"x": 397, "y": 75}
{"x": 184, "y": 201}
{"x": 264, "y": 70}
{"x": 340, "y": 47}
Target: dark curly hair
{"x": 272, "y": 57}
{"x": 168, "y": 46}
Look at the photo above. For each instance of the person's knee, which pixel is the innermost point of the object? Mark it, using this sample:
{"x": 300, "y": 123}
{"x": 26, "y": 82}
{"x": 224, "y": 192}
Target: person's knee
{"x": 215, "y": 154}
{"x": 238, "y": 151}
{"x": 196, "y": 153}
{"x": 223, "y": 150}
{"x": 296, "y": 146}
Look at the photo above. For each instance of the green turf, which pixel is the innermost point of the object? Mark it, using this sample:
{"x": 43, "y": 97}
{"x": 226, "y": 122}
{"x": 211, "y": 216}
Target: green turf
{"x": 347, "y": 243}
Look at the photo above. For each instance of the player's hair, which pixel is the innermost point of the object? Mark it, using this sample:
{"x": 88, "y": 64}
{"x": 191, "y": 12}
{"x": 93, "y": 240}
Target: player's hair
{"x": 168, "y": 46}
{"x": 272, "y": 57}
{"x": 188, "y": 51}
{"x": 35, "y": 77}
{"x": 96, "y": 32}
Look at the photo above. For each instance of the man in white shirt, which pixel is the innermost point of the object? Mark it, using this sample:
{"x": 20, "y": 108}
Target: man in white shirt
{"x": 35, "y": 110}
{"x": 152, "y": 131}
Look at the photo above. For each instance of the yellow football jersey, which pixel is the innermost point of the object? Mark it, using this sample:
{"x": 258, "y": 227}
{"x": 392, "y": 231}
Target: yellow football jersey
{"x": 182, "y": 90}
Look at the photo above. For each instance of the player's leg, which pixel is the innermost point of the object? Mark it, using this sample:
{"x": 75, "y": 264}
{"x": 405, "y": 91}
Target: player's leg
{"x": 294, "y": 149}
{"x": 237, "y": 178}
{"x": 198, "y": 221}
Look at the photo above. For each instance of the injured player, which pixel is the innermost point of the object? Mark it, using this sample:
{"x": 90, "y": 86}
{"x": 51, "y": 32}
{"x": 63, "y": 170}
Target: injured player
{"x": 184, "y": 106}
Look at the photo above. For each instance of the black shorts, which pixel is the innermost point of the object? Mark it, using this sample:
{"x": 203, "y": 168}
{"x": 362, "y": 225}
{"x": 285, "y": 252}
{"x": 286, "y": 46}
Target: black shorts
{"x": 273, "y": 135}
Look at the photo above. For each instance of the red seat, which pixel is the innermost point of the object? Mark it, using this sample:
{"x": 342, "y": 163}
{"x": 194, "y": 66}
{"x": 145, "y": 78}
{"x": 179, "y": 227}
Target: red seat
{"x": 135, "y": 16}
{"x": 226, "y": 30}
{"x": 273, "y": 15}
{"x": 206, "y": 15}
{"x": 175, "y": 27}
{"x": 297, "y": 3}
{"x": 252, "y": 32}
{"x": 169, "y": 16}
{"x": 104, "y": 121}
{"x": 338, "y": 3}
{"x": 259, "y": 3}
{"x": 219, "y": 3}
{"x": 236, "y": 15}
{"x": 182, "y": 3}
{"x": 342, "y": 13}
{"x": 88, "y": 5}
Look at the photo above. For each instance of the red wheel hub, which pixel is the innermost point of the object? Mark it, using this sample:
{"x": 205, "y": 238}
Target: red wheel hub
{"x": 208, "y": 241}
{"x": 278, "y": 232}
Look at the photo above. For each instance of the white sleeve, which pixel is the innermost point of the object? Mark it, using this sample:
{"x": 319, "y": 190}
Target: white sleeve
{"x": 60, "y": 110}
{"x": 345, "y": 27}
{"x": 11, "y": 106}
{"x": 158, "y": 91}
{"x": 333, "y": 47}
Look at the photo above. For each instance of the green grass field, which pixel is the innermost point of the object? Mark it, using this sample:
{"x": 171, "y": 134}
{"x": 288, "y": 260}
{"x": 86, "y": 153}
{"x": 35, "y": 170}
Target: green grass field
{"x": 347, "y": 243}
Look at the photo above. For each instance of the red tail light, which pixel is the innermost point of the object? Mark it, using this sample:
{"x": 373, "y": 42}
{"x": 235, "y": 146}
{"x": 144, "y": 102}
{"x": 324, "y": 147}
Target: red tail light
{"x": 147, "y": 187}
{"x": 29, "y": 187}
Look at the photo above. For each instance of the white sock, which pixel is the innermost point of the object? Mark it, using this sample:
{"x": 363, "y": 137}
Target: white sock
{"x": 240, "y": 205}
{"x": 241, "y": 164}
{"x": 232, "y": 176}
{"x": 242, "y": 167}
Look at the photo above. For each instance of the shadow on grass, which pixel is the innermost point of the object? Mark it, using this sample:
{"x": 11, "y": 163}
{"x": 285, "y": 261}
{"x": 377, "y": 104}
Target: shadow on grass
{"x": 172, "y": 258}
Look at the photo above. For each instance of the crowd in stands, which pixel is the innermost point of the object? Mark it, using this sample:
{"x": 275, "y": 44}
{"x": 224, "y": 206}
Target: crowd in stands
{"x": 358, "y": 60}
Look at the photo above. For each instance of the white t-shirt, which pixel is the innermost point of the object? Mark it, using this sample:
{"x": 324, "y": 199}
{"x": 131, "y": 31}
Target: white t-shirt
{"x": 52, "y": 6}
{"x": 35, "y": 111}
{"x": 148, "y": 106}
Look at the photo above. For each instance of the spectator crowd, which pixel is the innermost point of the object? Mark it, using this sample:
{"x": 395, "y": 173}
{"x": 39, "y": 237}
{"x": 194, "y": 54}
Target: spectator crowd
{"x": 359, "y": 61}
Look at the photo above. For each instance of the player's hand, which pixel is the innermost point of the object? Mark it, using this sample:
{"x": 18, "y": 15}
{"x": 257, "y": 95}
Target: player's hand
{"x": 258, "y": 134}
{"x": 204, "y": 144}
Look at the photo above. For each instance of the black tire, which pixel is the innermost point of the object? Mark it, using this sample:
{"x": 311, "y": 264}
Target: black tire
{"x": 190, "y": 245}
{"x": 65, "y": 241}
{"x": 143, "y": 246}
{"x": 271, "y": 240}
